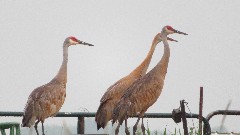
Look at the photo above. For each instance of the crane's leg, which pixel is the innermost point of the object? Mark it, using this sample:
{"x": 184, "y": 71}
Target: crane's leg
{"x": 42, "y": 129}
{"x": 117, "y": 129}
{"x": 35, "y": 126}
{"x": 143, "y": 128}
{"x": 135, "y": 126}
{"x": 126, "y": 127}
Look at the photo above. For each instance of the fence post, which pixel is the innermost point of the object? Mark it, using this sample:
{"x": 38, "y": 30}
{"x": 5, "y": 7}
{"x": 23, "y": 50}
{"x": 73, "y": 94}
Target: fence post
{"x": 200, "y": 110}
{"x": 80, "y": 125}
{"x": 184, "y": 120}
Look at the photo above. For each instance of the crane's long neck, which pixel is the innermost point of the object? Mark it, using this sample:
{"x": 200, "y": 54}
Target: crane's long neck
{"x": 62, "y": 73}
{"x": 142, "y": 68}
{"x": 161, "y": 67}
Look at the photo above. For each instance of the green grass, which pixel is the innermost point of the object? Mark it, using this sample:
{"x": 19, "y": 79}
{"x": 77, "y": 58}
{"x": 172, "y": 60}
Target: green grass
{"x": 191, "y": 130}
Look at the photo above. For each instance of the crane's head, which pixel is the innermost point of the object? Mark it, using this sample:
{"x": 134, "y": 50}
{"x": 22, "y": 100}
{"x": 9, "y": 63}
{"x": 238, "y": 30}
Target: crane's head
{"x": 169, "y": 30}
{"x": 74, "y": 41}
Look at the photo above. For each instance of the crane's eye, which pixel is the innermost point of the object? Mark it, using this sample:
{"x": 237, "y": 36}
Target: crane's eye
{"x": 73, "y": 39}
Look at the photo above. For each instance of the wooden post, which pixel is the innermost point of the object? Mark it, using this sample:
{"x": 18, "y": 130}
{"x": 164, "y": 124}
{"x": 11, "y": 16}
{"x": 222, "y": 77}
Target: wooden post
{"x": 200, "y": 110}
{"x": 80, "y": 125}
{"x": 184, "y": 120}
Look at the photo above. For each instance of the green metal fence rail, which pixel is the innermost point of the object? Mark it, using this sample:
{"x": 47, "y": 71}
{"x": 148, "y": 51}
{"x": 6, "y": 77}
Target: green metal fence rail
{"x": 11, "y": 126}
{"x": 81, "y": 115}
{"x": 222, "y": 112}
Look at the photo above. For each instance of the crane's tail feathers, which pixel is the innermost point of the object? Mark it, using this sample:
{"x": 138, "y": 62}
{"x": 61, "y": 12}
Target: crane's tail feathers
{"x": 28, "y": 117}
{"x": 28, "y": 120}
{"x": 99, "y": 126}
{"x": 120, "y": 112}
{"x": 103, "y": 115}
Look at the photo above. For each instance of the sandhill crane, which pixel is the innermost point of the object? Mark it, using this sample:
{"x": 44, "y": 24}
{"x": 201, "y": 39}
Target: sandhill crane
{"x": 46, "y": 100}
{"x": 145, "y": 91}
{"x": 115, "y": 91}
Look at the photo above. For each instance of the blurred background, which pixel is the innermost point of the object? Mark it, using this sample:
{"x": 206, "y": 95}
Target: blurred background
{"x": 32, "y": 34}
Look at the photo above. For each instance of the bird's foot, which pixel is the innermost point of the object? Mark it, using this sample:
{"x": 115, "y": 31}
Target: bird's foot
{"x": 143, "y": 129}
{"x": 37, "y": 133}
{"x": 134, "y": 129}
{"x": 116, "y": 131}
{"x": 127, "y": 131}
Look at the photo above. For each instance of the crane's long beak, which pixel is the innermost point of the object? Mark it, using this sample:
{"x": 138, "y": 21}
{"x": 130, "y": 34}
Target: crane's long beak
{"x": 179, "y": 32}
{"x": 170, "y": 39}
{"x": 84, "y": 43}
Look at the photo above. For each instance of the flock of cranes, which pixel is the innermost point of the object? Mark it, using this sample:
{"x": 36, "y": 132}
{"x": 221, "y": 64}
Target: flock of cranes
{"x": 130, "y": 96}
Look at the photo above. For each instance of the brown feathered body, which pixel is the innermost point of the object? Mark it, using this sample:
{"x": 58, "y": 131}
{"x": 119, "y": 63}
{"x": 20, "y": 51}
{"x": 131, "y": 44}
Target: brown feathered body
{"x": 46, "y": 100}
{"x": 114, "y": 93}
{"x": 145, "y": 91}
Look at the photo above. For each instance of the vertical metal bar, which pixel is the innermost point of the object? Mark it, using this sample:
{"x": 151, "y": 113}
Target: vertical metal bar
{"x": 80, "y": 125}
{"x": 206, "y": 127}
{"x": 3, "y": 132}
{"x": 12, "y": 130}
{"x": 200, "y": 110}
{"x": 18, "y": 130}
{"x": 184, "y": 120}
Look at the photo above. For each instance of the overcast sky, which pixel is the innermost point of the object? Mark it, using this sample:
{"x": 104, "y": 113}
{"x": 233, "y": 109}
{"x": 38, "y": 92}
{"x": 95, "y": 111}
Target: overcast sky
{"x": 32, "y": 34}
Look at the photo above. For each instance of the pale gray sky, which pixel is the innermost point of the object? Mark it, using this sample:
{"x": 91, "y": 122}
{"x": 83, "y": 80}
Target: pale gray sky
{"x": 32, "y": 34}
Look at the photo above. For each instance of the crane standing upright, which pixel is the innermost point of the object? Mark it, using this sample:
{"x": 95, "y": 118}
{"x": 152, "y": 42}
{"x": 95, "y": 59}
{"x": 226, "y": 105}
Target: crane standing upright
{"x": 145, "y": 91}
{"x": 115, "y": 91}
{"x": 46, "y": 100}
